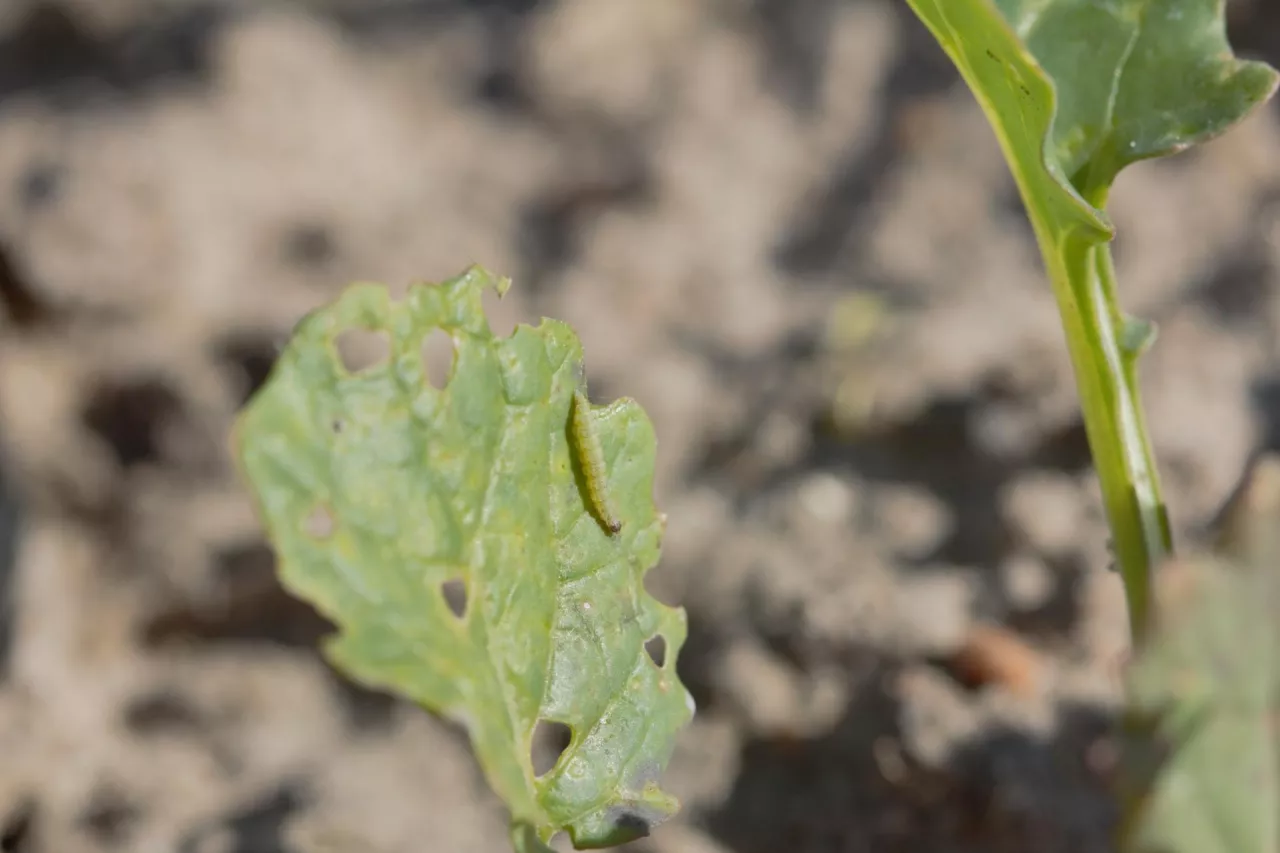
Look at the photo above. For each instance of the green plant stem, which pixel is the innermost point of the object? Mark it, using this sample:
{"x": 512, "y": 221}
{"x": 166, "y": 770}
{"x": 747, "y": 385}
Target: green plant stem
{"x": 1104, "y": 346}
{"x": 1076, "y": 92}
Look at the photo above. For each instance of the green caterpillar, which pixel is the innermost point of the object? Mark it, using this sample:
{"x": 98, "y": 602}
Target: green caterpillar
{"x": 591, "y": 456}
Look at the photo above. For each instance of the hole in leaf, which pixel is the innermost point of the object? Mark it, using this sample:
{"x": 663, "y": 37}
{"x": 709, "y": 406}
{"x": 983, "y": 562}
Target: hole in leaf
{"x": 437, "y": 358}
{"x": 455, "y": 595}
{"x": 363, "y": 349}
{"x": 550, "y": 740}
{"x": 656, "y": 646}
{"x": 319, "y": 523}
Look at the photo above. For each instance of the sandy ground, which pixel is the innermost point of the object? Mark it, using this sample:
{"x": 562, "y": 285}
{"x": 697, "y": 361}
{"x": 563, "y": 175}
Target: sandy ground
{"x": 780, "y": 225}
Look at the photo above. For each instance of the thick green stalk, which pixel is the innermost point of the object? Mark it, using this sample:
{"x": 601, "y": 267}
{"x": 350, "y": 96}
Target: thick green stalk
{"x": 1076, "y": 91}
{"x": 1104, "y": 346}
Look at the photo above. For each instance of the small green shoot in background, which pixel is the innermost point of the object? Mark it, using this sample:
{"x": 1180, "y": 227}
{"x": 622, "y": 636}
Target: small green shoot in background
{"x": 1201, "y": 756}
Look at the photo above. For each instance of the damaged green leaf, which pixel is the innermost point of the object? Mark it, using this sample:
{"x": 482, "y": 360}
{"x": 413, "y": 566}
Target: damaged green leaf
{"x": 449, "y": 535}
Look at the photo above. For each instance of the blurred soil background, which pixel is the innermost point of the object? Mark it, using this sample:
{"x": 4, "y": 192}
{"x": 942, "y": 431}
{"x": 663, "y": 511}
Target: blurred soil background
{"x": 781, "y": 225}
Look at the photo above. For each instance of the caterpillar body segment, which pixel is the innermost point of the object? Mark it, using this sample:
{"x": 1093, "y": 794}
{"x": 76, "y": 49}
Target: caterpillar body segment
{"x": 591, "y": 457}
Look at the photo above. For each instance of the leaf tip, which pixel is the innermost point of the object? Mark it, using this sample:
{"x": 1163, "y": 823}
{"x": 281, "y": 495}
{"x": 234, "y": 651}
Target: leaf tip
{"x": 1137, "y": 336}
{"x": 480, "y": 277}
